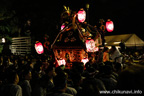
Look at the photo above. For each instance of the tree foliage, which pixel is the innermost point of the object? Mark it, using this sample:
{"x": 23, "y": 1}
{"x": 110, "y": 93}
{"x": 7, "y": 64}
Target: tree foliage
{"x": 8, "y": 22}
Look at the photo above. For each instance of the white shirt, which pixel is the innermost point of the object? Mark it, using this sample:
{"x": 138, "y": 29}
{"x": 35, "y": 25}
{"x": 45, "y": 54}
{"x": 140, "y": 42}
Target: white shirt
{"x": 115, "y": 55}
{"x": 16, "y": 90}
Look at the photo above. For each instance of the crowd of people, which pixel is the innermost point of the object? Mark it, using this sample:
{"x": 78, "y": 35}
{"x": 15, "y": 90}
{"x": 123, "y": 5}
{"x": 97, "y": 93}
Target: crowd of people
{"x": 38, "y": 76}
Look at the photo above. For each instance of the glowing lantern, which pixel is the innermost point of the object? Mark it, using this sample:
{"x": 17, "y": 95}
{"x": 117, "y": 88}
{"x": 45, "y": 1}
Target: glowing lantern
{"x": 109, "y": 26}
{"x": 96, "y": 49}
{"x": 84, "y": 60}
{"x": 81, "y": 15}
{"x": 39, "y": 47}
{"x": 62, "y": 26}
{"x": 90, "y": 45}
{"x": 61, "y": 62}
{"x": 3, "y": 40}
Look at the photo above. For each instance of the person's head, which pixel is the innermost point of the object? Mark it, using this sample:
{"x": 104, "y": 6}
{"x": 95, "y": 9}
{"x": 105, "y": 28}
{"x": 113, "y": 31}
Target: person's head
{"x": 106, "y": 49}
{"x": 113, "y": 48}
{"x": 92, "y": 72}
{"x": 89, "y": 89}
{"x": 76, "y": 78}
{"x": 50, "y": 71}
{"x": 38, "y": 66}
{"x": 12, "y": 77}
{"x": 78, "y": 66}
{"x": 59, "y": 70}
{"x": 87, "y": 65}
{"x": 27, "y": 74}
{"x": 107, "y": 69}
{"x": 23, "y": 61}
{"x": 60, "y": 83}
{"x": 44, "y": 81}
{"x": 15, "y": 61}
{"x": 117, "y": 67}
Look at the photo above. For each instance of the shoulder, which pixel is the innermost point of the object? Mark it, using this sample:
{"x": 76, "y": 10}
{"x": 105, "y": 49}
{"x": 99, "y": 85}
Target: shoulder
{"x": 16, "y": 87}
{"x": 71, "y": 90}
{"x": 25, "y": 83}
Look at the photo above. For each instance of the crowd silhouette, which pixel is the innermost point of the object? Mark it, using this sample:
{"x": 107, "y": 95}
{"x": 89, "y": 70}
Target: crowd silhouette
{"x": 37, "y": 75}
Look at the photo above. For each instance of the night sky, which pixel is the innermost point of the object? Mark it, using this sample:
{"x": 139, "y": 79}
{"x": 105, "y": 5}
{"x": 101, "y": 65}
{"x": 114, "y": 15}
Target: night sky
{"x": 127, "y": 15}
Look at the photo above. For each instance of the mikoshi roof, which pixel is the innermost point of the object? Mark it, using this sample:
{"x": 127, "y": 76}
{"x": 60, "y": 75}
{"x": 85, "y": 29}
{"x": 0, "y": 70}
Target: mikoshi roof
{"x": 74, "y": 37}
{"x": 70, "y": 39}
{"x": 127, "y": 39}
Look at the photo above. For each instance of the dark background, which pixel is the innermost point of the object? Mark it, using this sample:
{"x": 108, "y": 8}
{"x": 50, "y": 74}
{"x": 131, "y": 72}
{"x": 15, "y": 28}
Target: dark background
{"x": 127, "y": 15}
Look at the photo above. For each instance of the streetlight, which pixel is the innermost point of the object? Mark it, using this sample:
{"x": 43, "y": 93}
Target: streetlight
{"x": 3, "y": 40}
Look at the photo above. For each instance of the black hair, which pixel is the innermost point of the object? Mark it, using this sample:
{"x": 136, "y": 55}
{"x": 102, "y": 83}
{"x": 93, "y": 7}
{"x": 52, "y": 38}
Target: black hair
{"x": 60, "y": 81}
{"x": 11, "y": 76}
{"x": 25, "y": 72}
{"x": 37, "y": 66}
{"x": 105, "y": 49}
{"x": 113, "y": 47}
{"x": 50, "y": 68}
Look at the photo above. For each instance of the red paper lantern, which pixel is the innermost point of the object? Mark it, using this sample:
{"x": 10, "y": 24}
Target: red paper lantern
{"x": 109, "y": 26}
{"x": 62, "y": 26}
{"x": 84, "y": 60}
{"x": 81, "y": 15}
{"x": 61, "y": 62}
{"x": 90, "y": 45}
{"x": 39, "y": 47}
